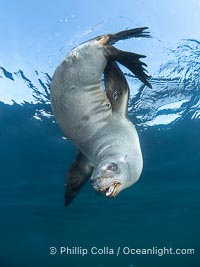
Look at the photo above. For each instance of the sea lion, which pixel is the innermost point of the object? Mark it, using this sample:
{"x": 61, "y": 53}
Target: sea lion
{"x": 95, "y": 121}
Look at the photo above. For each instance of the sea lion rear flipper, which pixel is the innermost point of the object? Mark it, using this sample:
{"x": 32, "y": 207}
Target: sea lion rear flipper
{"x": 78, "y": 174}
{"x": 117, "y": 89}
{"x": 137, "y": 32}
{"x": 131, "y": 61}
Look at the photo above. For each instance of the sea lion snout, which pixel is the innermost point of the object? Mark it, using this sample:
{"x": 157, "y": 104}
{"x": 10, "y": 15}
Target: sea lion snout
{"x": 101, "y": 182}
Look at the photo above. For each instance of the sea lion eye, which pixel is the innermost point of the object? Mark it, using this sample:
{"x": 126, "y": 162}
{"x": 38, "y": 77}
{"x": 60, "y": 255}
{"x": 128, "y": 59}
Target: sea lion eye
{"x": 112, "y": 167}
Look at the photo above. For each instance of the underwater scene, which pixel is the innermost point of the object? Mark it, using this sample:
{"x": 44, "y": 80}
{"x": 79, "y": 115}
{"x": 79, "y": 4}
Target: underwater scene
{"x": 155, "y": 222}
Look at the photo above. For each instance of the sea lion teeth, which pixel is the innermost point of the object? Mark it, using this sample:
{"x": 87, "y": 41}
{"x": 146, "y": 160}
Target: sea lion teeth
{"x": 110, "y": 190}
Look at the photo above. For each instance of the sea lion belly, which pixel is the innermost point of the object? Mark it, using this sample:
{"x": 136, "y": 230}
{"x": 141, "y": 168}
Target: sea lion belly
{"x": 78, "y": 99}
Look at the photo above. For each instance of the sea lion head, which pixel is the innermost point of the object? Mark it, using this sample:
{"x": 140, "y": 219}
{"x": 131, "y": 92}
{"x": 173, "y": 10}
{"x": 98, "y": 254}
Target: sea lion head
{"x": 116, "y": 174}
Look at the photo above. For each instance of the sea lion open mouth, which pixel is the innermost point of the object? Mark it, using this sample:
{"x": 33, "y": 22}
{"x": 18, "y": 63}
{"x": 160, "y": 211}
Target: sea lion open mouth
{"x": 112, "y": 190}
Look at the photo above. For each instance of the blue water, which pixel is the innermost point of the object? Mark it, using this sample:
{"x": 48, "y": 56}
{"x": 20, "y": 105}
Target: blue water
{"x": 161, "y": 210}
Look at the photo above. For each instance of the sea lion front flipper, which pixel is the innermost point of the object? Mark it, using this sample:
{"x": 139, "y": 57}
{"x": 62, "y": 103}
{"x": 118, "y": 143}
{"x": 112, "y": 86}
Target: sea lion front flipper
{"x": 78, "y": 174}
{"x": 117, "y": 89}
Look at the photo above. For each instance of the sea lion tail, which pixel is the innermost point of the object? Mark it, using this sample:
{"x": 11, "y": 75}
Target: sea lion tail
{"x": 137, "y": 32}
{"x": 131, "y": 61}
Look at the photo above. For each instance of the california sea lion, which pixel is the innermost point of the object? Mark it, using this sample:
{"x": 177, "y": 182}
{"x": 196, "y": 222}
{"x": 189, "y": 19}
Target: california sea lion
{"x": 95, "y": 121}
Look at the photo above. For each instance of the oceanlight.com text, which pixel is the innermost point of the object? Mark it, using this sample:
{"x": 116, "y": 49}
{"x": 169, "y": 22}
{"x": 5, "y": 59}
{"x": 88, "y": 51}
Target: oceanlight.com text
{"x": 158, "y": 251}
